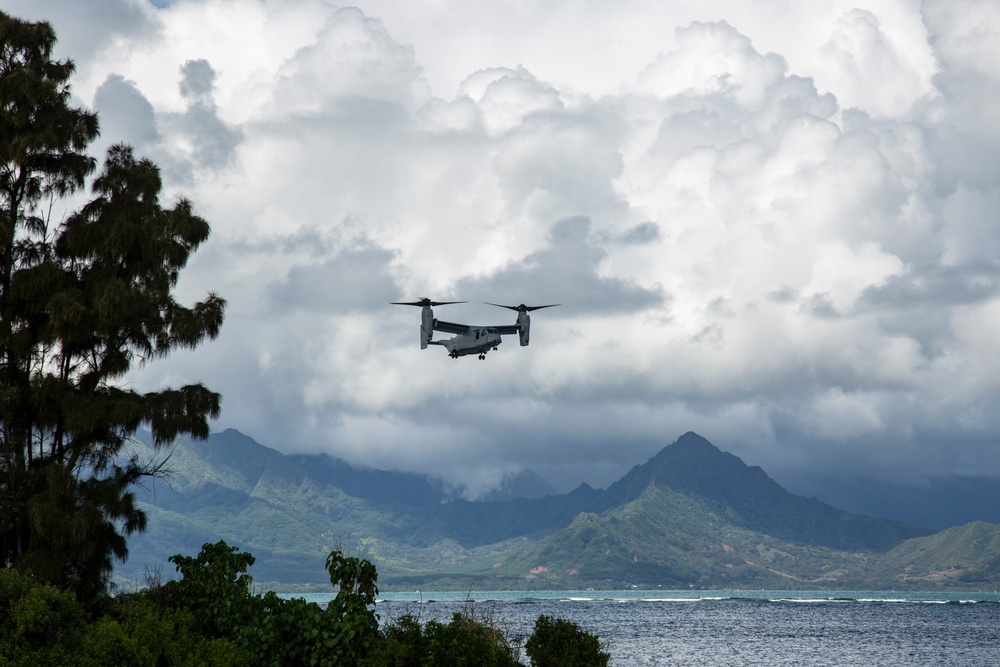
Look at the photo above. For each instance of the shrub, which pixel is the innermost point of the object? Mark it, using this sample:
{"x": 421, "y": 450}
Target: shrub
{"x": 43, "y": 625}
{"x": 216, "y": 589}
{"x": 561, "y": 643}
{"x": 467, "y": 640}
{"x": 39, "y": 624}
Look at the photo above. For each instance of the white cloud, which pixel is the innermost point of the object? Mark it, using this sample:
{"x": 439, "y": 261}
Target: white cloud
{"x": 711, "y": 59}
{"x": 772, "y": 223}
{"x": 875, "y": 71}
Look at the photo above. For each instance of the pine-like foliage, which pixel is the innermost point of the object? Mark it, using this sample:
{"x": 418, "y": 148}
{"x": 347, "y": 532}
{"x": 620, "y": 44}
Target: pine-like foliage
{"x": 80, "y": 305}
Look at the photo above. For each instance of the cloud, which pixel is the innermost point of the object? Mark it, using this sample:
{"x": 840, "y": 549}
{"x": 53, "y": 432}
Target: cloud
{"x": 196, "y": 140}
{"x": 879, "y": 78}
{"x": 962, "y": 136}
{"x": 712, "y": 58}
{"x": 125, "y": 114}
{"x": 352, "y": 57}
{"x": 771, "y": 224}
{"x": 84, "y": 30}
{"x": 202, "y": 141}
{"x": 505, "y": 97}
{"x": 568, "y": 266}
{"x": 335, "y": 282}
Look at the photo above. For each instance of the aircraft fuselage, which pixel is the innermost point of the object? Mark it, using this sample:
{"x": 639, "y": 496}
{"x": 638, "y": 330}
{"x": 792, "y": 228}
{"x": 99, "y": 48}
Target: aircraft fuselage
{"x": 477, "y": 341}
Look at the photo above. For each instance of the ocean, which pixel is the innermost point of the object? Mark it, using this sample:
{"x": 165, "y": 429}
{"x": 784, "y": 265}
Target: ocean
{"x": 736, "y": 628}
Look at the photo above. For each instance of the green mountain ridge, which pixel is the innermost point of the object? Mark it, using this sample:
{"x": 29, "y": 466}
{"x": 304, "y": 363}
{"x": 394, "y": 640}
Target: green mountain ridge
{"x": 691, "y": 516}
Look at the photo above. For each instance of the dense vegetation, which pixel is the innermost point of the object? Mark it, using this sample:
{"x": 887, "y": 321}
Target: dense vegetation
{"x": 211, "y": 617}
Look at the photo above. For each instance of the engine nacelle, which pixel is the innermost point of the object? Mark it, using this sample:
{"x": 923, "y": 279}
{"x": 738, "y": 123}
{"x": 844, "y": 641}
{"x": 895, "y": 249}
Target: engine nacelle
{"x": 524, "y": 321}
{"x": 426, "y": 326}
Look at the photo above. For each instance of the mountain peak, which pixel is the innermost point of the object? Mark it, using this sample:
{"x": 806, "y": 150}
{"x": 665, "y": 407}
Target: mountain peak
{"x": 692, "y": 439}
{"x": 750, "y": 499}
{"x": 694, "y": 465}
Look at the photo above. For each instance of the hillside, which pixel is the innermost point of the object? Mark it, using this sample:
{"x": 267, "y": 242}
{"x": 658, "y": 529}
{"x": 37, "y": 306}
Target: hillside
{"x": 690, "y": 516}
{"x": 967, "y": 556}
{"x": 749, "y": 499}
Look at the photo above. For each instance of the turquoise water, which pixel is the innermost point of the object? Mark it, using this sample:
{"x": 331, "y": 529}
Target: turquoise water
{"x": 927, "y": 597}
{"x": 743, "y": 628}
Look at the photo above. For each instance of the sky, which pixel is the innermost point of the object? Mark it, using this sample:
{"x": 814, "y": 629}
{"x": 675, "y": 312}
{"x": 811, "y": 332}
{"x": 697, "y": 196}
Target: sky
{"x": 776, "y": 224}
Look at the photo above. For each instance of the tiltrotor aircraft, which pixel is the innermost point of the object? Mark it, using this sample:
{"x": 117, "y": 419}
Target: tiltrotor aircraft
{"x": 470, "y": 339}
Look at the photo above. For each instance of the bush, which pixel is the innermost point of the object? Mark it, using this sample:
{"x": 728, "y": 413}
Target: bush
{"x": 39, "y": 624}
{"x": 43, "y": 625}
{"x": 560, "y": 643}
{"x": 210, "y": 617}
{"x": 466, "y": 641}
{"x": 216, "y": 589}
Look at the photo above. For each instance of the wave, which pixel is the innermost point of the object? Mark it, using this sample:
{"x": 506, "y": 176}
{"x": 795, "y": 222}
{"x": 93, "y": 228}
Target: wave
{"x": 641, "y": 597}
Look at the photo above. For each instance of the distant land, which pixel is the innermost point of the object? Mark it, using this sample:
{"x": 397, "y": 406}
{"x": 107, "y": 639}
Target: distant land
{"x": 691, "y": 516}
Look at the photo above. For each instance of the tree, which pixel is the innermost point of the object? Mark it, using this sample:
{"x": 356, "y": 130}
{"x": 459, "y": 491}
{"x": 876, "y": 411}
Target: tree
{"x": 215, "y": 587}
{"x": 557, "y": 642}
{"x": 80, "y": 305}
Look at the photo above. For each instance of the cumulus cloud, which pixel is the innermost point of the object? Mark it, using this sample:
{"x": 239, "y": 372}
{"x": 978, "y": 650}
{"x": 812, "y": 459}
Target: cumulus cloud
{"x": 196, "y": 140}
{"x": 878, "y": 77}
{"x": 352, "y": 57}
{"x": 201, "y": 140}
{"x": 568, "y": 266}
{"x": 84, "y": 30}
{"x": 776, "y": 228}
{"x": 125, "y": 114}
{"x": 350, "y": 279}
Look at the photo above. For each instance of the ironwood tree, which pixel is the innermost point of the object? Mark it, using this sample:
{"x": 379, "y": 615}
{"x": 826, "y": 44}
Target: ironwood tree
{"x": 81, "y": 303}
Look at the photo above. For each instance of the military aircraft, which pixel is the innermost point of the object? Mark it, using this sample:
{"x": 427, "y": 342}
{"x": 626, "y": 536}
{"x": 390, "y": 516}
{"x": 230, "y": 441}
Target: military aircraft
{"x": 470, "y": 339}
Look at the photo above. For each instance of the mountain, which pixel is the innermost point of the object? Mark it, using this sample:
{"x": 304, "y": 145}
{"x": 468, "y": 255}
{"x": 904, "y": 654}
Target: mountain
{"x": 692, "y": 515}
{"x": 968, "y": 554}
{"x": 750, "y": 499}
{"x": 407, "y": 488}
{"x": 744, "y": 496}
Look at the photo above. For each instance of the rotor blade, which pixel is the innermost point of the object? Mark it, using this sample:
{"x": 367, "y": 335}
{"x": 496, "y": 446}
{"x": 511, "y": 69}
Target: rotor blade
{"x": 423, "y": 302}
{"x": 522, "y": 307}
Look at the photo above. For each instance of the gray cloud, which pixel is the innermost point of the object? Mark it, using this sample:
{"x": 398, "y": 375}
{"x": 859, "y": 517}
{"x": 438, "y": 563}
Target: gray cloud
{"x": 183, "y": 143}
{"x": 640, "y": 234}
{"x": 85, "y": 29}
{"x": 350, "y": 279}
{"x": 125, "y": 114}
{"x": 782, "y": 239}
{"x": 198, "y": 82}
{"x": 209, "y": 143}
{"x": 566, "y": 270}
{"x": 962, "y": 135}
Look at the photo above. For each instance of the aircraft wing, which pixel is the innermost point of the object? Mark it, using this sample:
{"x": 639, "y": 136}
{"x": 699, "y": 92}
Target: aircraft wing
{"x": 507, "y": 329}
{"x": 455, "y": 328}
{"x": 451, "y": 327}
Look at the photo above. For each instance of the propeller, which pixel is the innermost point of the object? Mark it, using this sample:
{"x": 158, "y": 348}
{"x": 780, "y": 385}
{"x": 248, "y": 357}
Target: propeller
{"x": 424, "y": 302}
{"x": 522, "y": 308}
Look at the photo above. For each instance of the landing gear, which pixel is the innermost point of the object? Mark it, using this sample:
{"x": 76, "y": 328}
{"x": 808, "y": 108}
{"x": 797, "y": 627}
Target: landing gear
{"x": 482, "y": 356}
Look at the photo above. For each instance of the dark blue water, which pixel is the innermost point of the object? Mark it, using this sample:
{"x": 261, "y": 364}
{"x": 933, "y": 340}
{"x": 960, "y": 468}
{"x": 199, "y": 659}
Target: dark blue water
{"x": 745, "y": 628}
